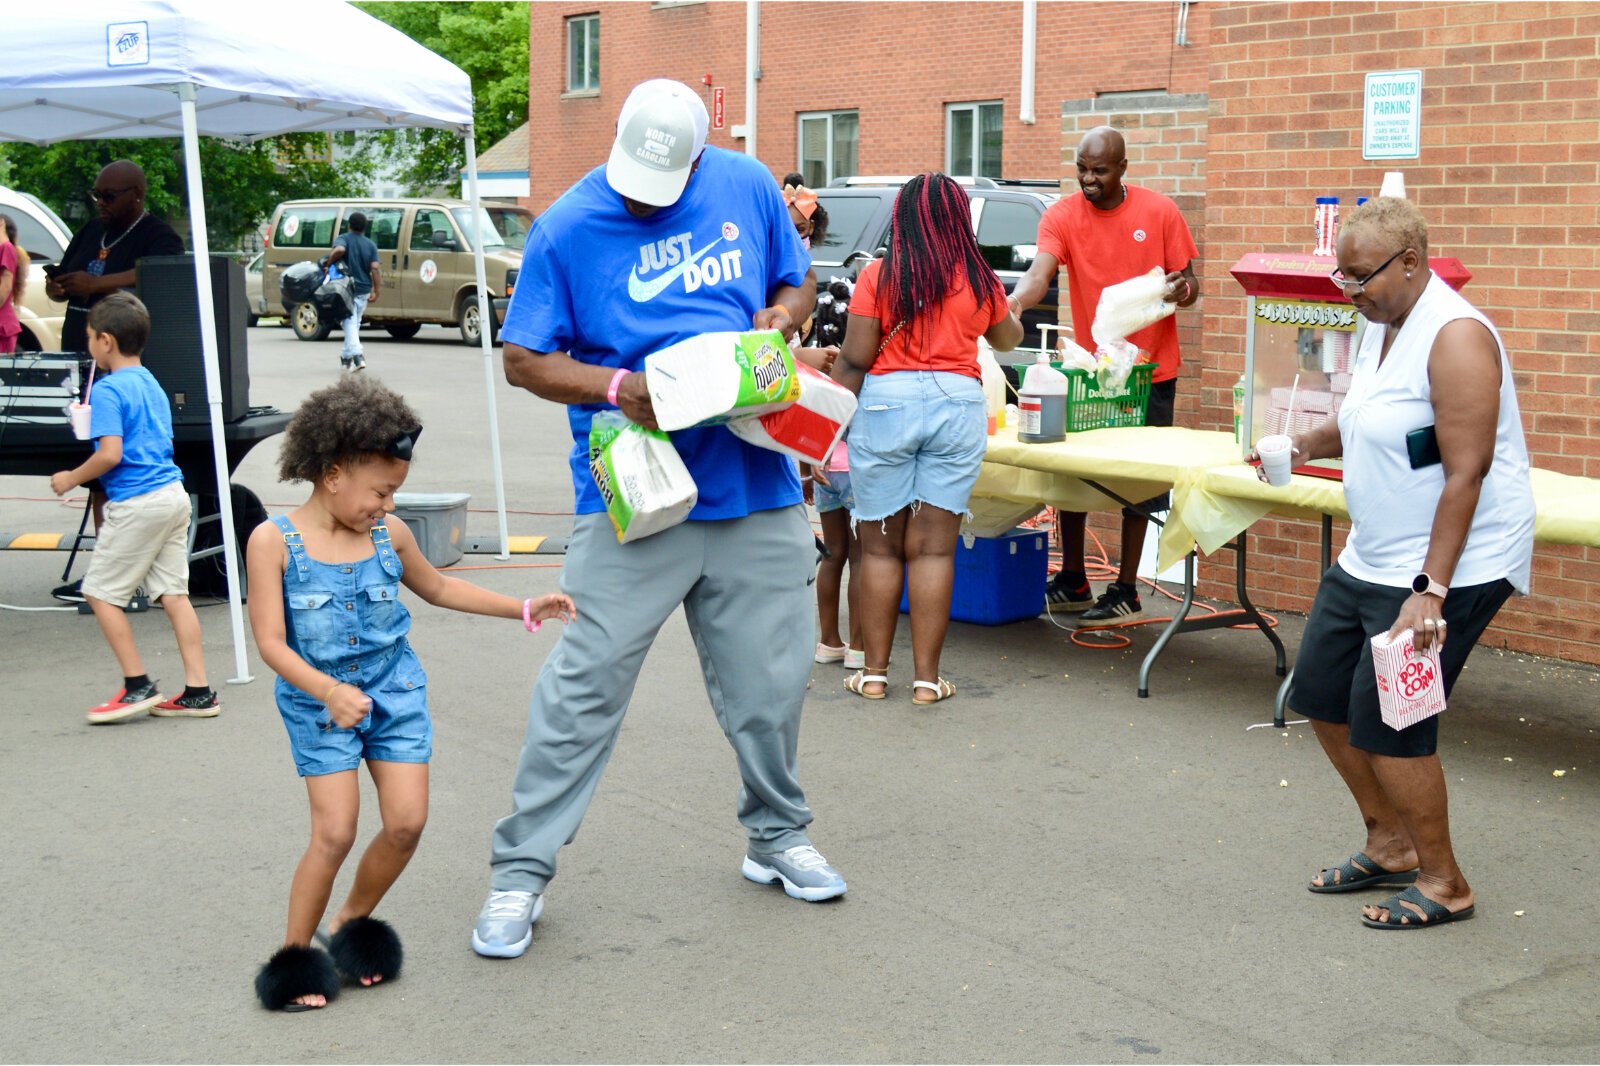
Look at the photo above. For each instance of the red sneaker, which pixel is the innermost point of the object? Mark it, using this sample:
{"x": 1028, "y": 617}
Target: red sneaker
{"x": 202, "y": 705}
{"x": 125, "y": 704}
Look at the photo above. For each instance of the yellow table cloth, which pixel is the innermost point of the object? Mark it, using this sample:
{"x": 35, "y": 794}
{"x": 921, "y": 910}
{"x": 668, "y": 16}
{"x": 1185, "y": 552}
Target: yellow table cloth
{"x": 1211, "y": 507}
{"x": 1135, "y": 462}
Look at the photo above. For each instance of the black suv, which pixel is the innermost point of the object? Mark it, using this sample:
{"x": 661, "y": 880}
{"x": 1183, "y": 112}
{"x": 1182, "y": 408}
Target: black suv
{"x": 1005, "y": 213}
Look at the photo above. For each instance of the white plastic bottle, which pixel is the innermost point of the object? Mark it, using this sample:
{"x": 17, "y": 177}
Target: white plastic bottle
{"x": 1043, "y": 403}
{"x": 994, "y": 386}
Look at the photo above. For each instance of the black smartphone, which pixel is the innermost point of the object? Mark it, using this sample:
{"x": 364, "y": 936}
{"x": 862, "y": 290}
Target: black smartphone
{"x": 1422, "y": 445}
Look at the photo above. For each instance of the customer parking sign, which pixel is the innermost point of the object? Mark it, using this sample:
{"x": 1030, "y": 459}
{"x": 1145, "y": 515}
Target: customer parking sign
{"x": 1391, "y": 125}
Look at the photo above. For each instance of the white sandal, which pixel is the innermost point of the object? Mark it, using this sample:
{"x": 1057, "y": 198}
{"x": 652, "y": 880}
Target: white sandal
{"x": 941, "y": 689}
{"x": 858, "y": 681}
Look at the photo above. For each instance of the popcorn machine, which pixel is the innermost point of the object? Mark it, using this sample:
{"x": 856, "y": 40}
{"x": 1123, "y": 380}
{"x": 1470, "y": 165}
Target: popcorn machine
{"x": 1300, "y": 324}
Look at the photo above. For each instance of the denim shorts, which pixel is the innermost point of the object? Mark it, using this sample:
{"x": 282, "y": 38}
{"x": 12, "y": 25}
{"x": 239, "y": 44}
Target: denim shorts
{"x": 398, "y": 729}
{"x": 836, "y": 495}
{"x": 918, "y": 435}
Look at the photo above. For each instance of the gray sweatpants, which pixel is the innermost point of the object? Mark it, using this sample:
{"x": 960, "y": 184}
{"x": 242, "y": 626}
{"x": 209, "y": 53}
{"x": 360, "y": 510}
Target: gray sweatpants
{"x": 745, "y": 587}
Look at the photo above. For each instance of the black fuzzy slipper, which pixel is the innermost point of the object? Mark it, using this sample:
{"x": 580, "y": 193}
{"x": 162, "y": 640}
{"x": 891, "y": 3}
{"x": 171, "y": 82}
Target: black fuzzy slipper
{"x": 366, "y": 947}
{"x": 294, "y": 972}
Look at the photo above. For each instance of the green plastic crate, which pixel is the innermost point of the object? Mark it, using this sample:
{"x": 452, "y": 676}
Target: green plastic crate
{"x": 1090, "y": 408}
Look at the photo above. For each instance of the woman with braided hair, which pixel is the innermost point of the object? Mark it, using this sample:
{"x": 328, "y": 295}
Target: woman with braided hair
{"x": 911, "y": 355}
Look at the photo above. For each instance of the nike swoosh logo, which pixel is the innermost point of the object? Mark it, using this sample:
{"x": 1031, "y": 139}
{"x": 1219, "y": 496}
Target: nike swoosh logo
{"x": 645, "y": 291}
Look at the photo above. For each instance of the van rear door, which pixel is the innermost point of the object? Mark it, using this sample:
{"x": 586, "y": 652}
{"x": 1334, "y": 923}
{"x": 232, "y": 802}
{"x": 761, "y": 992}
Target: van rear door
{"x": 303, "y": 231}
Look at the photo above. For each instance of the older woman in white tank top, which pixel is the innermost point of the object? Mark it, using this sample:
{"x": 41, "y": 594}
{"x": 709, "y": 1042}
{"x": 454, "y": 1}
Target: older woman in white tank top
{"x": 1436, "y": 545}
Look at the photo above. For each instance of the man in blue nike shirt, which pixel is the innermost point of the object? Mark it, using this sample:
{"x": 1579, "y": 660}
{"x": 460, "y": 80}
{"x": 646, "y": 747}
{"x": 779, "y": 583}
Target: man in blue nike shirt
{"x": 668, "y": 240}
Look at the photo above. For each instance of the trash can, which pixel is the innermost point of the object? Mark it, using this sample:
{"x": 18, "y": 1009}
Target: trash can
{"x": 439, "y": 522}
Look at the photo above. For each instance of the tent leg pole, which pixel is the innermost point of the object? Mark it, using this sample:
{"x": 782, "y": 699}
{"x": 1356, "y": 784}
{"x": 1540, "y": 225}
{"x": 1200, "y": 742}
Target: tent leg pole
{"x": 485, "y": 338}
{"x": 208, "y": 344}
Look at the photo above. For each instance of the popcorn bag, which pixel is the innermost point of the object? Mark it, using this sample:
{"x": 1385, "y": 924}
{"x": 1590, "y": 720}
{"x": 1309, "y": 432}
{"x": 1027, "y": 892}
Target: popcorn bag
{"x": 716, "y": 377}
{"x": 1410, "y": 683}
{"x": 640, "y": 476}
{"x": 809, "y": 429}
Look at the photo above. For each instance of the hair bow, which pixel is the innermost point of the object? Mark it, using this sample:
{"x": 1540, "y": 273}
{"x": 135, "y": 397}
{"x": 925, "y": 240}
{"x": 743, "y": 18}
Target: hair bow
{"x": 801, "y": 199}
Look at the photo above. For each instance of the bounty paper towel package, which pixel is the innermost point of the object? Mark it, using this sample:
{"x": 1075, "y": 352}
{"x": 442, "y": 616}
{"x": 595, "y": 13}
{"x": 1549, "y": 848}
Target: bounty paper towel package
{"x": 714, "y": 377}
{"x": 644, "y": 483}
{"x": 1410, "y": 682}
{"x": 809, "y": 429}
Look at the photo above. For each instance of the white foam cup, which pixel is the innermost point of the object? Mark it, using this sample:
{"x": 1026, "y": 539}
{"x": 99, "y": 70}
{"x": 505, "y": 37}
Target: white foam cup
{"x": 1276, "y": 457}
{"x": 78, "y": 419}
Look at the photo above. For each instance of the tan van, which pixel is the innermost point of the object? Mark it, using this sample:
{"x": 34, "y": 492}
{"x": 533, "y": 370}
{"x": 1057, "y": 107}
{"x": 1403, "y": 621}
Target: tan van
{"x": 424, "y": 257}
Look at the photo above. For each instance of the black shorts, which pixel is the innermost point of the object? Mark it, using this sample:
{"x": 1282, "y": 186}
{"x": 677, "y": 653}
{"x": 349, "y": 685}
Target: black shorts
{"x": 1334, "y": 680}
{"x": 1158, "y": 413}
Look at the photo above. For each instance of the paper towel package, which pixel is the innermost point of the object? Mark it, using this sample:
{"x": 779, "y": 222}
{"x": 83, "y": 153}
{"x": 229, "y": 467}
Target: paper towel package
{"x": 715, "y": 377}
{"x": 640, "y": 476}
{"x": 1410, "y": 683}
{"x": 809, "y": 429}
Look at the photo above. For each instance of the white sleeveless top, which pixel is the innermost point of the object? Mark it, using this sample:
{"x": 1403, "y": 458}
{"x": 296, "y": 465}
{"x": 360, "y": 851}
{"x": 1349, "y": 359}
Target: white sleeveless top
{"x": 1391, "y": 505}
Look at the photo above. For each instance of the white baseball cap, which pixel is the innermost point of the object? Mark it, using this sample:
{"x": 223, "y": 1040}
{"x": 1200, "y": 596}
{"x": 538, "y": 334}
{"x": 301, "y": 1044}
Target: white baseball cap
{"x": 660, "y": 133}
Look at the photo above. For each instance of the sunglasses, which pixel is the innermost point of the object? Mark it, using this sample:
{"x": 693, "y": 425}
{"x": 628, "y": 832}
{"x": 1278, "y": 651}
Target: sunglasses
{"x": 106, "y": 196}
{"x": 401, "y": 446}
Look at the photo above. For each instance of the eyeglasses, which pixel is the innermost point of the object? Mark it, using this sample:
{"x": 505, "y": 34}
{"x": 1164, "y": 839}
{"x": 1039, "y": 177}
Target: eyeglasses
{"x": 402, "y": 445}
{"x": 1355, "y": 288}
{"x": 105, "y": 196}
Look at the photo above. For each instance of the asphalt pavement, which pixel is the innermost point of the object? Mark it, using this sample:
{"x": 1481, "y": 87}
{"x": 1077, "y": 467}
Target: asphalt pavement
{"x": 1043, "y": 869}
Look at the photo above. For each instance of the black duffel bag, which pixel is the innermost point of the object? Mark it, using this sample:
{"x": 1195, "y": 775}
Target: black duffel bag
{"x": 299, "y": 282}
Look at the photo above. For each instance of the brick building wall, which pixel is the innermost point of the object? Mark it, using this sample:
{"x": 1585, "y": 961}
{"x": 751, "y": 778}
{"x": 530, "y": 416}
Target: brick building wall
{"x": 1508, "y": 181}
{"x": 897, "y": 64}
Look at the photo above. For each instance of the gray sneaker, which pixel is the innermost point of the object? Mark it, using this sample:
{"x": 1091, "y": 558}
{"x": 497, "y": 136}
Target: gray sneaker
{"x": 804, "y": 872}
{"x": 505, "y": 925}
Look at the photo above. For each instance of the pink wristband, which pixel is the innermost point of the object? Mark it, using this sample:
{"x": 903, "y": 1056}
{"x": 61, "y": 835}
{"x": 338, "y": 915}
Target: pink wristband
{"x": 527, "y": 617}
{"x": 616, "y": 382}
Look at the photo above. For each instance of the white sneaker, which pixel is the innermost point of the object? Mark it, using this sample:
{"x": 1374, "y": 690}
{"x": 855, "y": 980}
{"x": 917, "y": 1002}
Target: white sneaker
{"x": 505, "y": 925}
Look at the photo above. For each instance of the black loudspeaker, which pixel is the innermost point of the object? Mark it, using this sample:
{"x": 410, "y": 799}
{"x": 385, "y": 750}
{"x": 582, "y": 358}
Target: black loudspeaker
{"x": 174, "y": 355}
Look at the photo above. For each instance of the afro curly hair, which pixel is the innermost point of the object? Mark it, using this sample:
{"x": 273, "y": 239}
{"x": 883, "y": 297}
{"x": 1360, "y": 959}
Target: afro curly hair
{"x": 353, "y": 419}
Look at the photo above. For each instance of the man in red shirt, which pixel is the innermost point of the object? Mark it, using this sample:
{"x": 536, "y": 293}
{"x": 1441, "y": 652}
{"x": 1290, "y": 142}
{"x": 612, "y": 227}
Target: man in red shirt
{"x": 1111, "y": 233}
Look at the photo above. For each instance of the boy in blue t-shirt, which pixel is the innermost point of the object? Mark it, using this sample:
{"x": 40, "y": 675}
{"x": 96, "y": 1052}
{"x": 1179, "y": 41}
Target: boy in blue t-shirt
{"x": 144, "y": 538}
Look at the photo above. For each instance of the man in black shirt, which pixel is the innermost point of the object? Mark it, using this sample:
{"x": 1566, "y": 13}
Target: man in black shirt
{"x": 100, "y": 260}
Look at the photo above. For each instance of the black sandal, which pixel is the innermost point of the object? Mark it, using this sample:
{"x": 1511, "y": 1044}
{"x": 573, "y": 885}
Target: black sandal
{"x": 294, "y": 972}
{"x": 367, "y": 948}
{"x": 1358, "y": 872}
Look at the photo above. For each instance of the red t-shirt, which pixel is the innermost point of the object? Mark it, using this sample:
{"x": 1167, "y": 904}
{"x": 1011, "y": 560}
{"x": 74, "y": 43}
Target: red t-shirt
{"x": 1100, "y": 248}
{"x": 944, "y": 338}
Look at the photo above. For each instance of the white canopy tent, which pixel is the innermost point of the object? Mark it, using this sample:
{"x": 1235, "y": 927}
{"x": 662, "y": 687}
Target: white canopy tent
{"x": 107, "y": 69}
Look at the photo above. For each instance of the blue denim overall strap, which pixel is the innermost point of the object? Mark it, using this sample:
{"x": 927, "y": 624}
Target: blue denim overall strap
{"x": 293, "y": 544}
{"x": 388, "y": 558}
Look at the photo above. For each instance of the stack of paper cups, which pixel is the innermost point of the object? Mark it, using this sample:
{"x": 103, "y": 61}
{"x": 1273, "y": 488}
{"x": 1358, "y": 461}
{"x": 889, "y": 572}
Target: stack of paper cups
{"x": 1327, "y": 225}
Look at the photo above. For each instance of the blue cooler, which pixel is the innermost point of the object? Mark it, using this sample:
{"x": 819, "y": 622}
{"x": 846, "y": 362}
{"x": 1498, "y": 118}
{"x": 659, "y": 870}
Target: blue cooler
{"x": 998, "y": 579}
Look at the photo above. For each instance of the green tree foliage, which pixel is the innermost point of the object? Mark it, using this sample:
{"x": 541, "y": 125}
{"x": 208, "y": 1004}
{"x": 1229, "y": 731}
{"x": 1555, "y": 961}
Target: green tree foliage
{"x": 488, "y": 40}
{"x": 243, "y": 182}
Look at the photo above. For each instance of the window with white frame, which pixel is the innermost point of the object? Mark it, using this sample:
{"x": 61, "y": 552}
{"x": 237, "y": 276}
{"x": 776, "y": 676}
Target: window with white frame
{"x": 583, "y": 54}
{"x": 972, "y": 139}
{"x": 828, "y": 145}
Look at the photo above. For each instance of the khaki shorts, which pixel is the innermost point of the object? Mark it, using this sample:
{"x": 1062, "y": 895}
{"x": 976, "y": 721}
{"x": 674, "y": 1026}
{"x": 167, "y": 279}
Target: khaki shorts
{"x": 143, "y": 541}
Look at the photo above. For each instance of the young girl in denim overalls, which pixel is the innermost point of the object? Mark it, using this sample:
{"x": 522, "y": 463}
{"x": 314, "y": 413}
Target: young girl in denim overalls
{"x": 325, "y": 606}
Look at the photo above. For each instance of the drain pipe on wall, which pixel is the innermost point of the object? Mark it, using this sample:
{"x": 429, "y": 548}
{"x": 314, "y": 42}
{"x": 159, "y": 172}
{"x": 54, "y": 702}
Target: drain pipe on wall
{"x": 1030, "y": 25}
{"x": 752, "y": 71}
